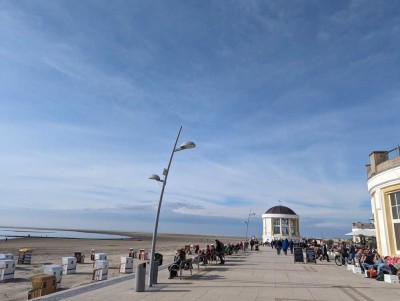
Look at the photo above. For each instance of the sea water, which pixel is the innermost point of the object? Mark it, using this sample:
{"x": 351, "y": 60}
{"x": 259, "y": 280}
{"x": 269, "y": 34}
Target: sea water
{"x": 18, "y": 233}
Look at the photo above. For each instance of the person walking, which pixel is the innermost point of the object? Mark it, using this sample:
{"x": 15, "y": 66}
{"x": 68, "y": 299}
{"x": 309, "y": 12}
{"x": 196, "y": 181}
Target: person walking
{"x": 251, "y": 244}
{"x": 278, "y": 246}
{"x": 352, "y": 253}
{"x": 219, "y": 249}
{"x": 291, "y": 246}
{"x": 285, "y": 245}
{"x": 343, "y": 251}
{"x": 325, "y": 252}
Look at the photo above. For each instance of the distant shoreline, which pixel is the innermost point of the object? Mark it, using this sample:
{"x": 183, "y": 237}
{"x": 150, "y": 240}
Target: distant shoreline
{"x": 129, "y": 234}
{"x": 58, "y": 237}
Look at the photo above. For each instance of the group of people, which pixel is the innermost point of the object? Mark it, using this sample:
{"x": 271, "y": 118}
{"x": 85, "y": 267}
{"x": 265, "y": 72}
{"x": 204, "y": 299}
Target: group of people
{"x": 205, "y": 255}
{"x": 253, "y": 244}
{"x": 322, "y": 252}
{"x": 284, "y": 245}
{"x": 369, "y": 259}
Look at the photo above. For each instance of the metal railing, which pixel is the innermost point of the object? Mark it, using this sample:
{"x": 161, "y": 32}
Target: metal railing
{"x": 395, "y": 152}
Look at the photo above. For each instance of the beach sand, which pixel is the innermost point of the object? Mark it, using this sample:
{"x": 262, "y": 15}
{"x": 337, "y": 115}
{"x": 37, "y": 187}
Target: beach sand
{"x": 50, "y": 251}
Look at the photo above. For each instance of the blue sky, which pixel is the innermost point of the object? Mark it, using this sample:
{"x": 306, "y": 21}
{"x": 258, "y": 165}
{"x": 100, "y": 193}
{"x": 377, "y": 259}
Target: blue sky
{"x": 284, "y": 99}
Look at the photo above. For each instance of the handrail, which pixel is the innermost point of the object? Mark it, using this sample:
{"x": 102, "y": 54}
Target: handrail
{"x": 397, "y": 148}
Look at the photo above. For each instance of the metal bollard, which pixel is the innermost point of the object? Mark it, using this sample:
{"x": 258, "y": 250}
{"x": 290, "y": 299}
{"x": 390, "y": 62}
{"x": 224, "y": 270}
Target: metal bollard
{"x": 140, "y": 277}
{"x": 155, "y": 271}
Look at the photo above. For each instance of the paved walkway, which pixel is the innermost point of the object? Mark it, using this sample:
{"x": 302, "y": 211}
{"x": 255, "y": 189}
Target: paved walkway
{"x": 254, "y": 276}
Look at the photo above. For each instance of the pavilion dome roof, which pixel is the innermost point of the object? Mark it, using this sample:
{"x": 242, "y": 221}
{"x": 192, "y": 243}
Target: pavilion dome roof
{"x": 280, "y": 210}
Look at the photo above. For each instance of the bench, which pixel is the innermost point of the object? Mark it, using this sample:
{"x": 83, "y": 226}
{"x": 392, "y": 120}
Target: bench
{"x": 213, "y": 257}
{"x": 185, "y": 265}
{"x": 200, "y": 259}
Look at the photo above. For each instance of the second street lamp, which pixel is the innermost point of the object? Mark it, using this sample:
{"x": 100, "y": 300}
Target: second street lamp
{"x": 247, "y": 223}
{"x": 183, "y": 146}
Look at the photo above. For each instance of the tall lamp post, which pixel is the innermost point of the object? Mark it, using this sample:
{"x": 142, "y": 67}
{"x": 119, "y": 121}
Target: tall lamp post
{"x": 183, "y": 146}
{"x": 247, "y": 223}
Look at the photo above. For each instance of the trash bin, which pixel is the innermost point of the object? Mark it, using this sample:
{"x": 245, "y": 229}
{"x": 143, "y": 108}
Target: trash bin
{"x": 159, "y": 258}
{"x": 140, "y": 277}
{"x": 155, "y": 271}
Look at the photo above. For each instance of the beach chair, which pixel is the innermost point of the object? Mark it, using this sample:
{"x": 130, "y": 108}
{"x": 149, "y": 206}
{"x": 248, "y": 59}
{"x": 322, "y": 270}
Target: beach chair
{"x": 42, "y": 285}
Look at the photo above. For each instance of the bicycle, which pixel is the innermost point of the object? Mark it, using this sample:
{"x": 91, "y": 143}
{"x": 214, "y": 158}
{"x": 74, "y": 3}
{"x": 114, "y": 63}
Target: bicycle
{"x": 339, "y": 260}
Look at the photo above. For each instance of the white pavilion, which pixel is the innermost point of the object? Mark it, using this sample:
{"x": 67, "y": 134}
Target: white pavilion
{"x": 280, "y": 222}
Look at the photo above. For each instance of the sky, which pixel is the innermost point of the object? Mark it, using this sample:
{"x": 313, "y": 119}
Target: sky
{"x": 285, "y": 101}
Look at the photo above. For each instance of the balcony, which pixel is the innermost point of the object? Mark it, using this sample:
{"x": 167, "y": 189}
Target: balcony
{"x": 383, "y": 160}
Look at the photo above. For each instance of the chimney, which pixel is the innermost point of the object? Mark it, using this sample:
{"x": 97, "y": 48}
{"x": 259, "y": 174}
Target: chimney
{"x": 376, "y": 158}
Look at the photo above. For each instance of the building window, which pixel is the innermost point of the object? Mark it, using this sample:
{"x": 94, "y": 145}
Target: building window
{"x": 395, "y": 208}
{"x": 292, "y": 227}
{"x": 277, "y": 226}
{"x": 285, "y": 226}
{"x": 397, "y": 235}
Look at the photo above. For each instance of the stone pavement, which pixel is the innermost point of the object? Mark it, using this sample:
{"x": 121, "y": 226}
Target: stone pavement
{"x": 253, "y": 275}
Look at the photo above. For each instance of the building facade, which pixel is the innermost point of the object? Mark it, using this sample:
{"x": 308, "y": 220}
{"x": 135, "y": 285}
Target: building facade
{"x": 362, "y": 232}
{"x": 384, "y": 188}
{"x": 280, "y": 222}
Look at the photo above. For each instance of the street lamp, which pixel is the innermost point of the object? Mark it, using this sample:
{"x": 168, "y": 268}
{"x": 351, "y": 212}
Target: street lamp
{"x": 183, "y": 146}
{"x": 247, "y": 223}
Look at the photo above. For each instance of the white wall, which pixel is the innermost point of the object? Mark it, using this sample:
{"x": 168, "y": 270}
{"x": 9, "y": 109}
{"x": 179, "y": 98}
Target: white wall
{"x": 375, "y": 185}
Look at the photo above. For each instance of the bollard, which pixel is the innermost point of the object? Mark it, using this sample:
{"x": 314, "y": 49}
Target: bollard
{"x": 140, "y": 277}
{"x": 155, "y": 271}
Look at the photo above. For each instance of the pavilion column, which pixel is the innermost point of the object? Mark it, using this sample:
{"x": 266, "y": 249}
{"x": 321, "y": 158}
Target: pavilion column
{"x": 264, "y": 227}
{"x": 272, "y": 227}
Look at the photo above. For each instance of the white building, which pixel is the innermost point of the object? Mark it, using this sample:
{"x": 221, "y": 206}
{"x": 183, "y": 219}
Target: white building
{"x": 384, "y": 189}
{"x": 280, "y": 222}
{"x": 359, "y": 229}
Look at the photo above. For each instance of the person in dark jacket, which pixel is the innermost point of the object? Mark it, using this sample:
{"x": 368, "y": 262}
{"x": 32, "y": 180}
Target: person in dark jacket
{"x": 352, "y": 253}
{"x": 343, "y": 251}
{"x": 325, "y": 253}
{"x": 219, "y": 248}
{"x": 278, "y": 246}
{"x": 180, "y": 256}
{"x": 291, "y": 246}
{"x": 251, "y": 244}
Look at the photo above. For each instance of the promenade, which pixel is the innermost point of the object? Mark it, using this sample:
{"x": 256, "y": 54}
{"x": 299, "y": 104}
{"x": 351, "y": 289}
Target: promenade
{"x": 257, "y": 276}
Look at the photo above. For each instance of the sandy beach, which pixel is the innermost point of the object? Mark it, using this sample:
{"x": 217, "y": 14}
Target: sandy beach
{"x": 51, "y": 250}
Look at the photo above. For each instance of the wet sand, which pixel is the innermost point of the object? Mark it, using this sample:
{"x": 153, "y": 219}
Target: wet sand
{"x": 51, "y": 250}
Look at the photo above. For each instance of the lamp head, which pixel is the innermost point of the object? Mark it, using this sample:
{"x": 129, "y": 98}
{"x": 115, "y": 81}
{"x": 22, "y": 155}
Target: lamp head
{"x": 155, "y": 177}
{"x": 186, "y": 145}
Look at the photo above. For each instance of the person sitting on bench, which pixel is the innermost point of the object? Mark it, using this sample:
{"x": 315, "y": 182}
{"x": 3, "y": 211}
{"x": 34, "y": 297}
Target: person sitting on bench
{"x": 181, "y": 255}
